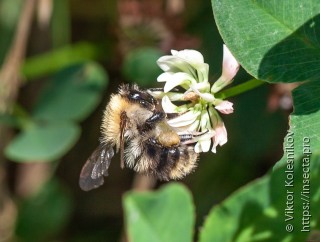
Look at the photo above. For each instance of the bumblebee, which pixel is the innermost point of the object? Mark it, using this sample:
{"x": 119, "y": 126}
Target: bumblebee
{"x": 135, "y": 124}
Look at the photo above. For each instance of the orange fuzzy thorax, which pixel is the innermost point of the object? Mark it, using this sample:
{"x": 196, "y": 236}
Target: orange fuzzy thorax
{"x": 111, "y": 119}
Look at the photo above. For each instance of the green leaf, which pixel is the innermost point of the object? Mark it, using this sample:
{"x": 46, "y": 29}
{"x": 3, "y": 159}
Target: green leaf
{"x": 257, "y": 212}
{"x": 44, "y": 214}
{"x": 72, "y": 94}
{"x": 140, "y": 66}
{"x": 43, "y": 142}
{"x": 273, "y": 40}
{"x": 163, "y": 216}
{"x": 305, "y": 120}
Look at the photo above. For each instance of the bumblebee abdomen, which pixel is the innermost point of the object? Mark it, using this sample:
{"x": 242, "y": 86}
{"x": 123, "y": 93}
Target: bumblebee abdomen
{"x": 166, "y": 163}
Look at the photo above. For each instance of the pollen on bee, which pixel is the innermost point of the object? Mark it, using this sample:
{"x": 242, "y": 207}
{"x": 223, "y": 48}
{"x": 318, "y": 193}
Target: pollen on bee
{"x": 169, "y": 139}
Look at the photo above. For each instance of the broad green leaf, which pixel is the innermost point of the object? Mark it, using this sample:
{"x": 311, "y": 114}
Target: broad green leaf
{"x": 72, "y": 94}
{"x": 44, "y": 214}
{"x": 140, "y": 66}
{"x": 43, "y": 142}
{"x": 273, "y": 40}
{"x": 257, "y": 212}
{"x": 163, "y": 216}
{"x": 305, "y": 120}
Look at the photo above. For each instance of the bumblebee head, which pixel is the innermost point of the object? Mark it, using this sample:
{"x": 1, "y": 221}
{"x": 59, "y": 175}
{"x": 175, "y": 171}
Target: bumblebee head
{"x": 135, "y": 94}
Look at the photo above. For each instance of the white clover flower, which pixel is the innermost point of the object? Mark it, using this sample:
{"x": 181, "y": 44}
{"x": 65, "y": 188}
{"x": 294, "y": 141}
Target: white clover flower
{"x": 198, "y": 114}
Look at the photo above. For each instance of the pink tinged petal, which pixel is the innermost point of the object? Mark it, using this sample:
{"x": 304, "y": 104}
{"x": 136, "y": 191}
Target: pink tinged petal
{"x": 220, "y": 138}
{"x": 230, "y": 68}
{"x": 230, "y": 65}
{"x": 225, "y": 107}
{"x": 184, "y": 119}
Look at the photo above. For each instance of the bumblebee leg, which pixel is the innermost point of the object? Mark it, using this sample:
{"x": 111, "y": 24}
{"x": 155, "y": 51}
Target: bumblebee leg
{"x": 189, "y": 138}
{"x": 156, "y": 117}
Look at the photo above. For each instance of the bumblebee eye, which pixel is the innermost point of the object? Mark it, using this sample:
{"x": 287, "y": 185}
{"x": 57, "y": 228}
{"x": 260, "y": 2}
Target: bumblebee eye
{"x": 145, "y": 99}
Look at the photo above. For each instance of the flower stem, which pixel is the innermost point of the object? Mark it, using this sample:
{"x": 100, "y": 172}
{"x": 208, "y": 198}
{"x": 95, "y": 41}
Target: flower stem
{"x": 236, "y": 90}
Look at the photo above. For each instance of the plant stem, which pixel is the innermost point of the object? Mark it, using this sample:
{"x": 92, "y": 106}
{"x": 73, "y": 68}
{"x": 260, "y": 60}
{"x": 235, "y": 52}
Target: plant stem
{"x": 241, "y": 88}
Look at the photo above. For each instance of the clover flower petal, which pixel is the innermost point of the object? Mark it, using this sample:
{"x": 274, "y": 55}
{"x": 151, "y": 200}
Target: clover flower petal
{"x": 178, "y": 79}
{"x": 225, "y": 107}
{"x": 192, "y": 56}
{"x": 220, "y": 138}
{"x": 198, "y": 113}
{"x": 168, "y": 106}
{"x": 175, "y": 64}
{"x": 184, "y": 119}
{"x": 230, "y": 68}
{"x": 230, "y": 65}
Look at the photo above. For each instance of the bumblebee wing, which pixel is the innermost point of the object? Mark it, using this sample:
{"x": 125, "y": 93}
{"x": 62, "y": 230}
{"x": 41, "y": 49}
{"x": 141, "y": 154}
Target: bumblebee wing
{"x": 95, "y": 168}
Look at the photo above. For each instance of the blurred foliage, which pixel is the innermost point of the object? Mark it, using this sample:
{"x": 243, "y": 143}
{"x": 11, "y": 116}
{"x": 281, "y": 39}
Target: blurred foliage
{"x": 43, "y": 142}
{"x": 9, "y": 14}
{"x": 60, "y": 23}
{"x": 53, "y": 61}
{"x": 63, "y": 85}
{"x": 45, "y": 213}
{"x": 140, "y": 65}
{"x": 51, "y": 131}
